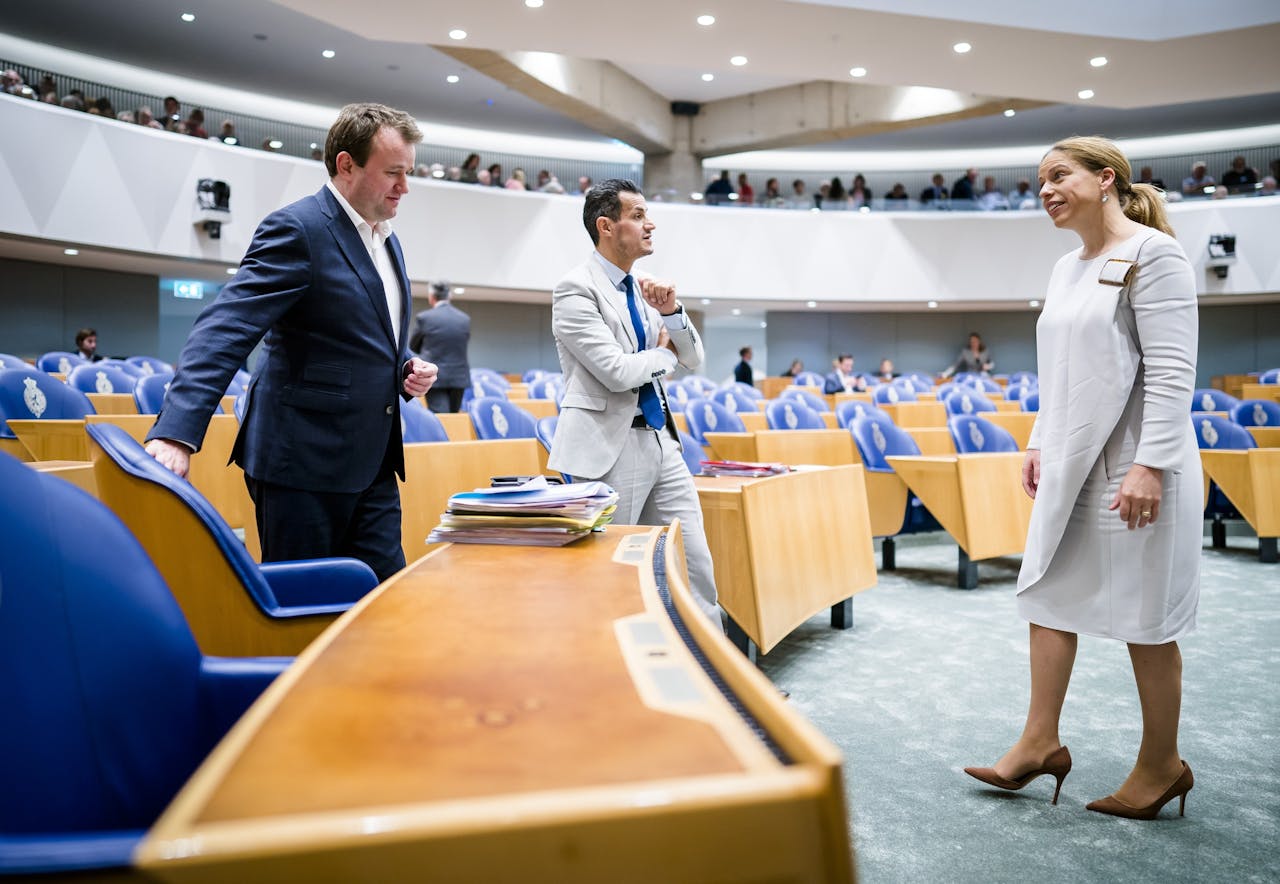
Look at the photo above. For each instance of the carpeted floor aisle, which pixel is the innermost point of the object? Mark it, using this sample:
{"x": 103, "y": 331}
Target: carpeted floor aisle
{"x": 932, "y": 678}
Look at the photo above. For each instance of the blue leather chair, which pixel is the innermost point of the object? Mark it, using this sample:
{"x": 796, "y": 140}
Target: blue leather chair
{"x": 284, "y": 603}
{"x": 983, "y": 385}
{"x": 531, "y": 375}
{"x": 809, "y": 379}
{"x": 703, "y": 416}
{"x": 99, "y": 377}
{"x": 7, "y": 361}
{"x": 915, "y": 383}
{"x": 549, "y": 386}
{"x": 493, "y": 417}
{"x": 1206, "y": 399}
{"x": 148, "y": 393}
{"x": 849, "y": 409}
{"x": 1215, "y": 431}
{"x": 678, "y": 395}
{"x": 808, "y": 397}
{"x": 60, "y": 361}
{"x": 976, "y": 435}
{"x": 150, "y": 364}
{"x": 892, "y": 394}
{"x": 417, "y": 424}
{"x": 1270, "y": 376}
{"x": 108, "y": 704}
{"x": 545, "y": 432}
{"x": 484, "y": 386}
{"x": 692, "y": 453}
{"x": 699, "y": 385}
{"x": 1031, "y": 401}
{"x": 877, "y": 437}
{"x": 1256, "y": 413}
{"x": 1016, "y": 392}
{"x": 30, "y": 394}
{"x": 945, "y": 390}
{"x": 747, "y": 390}
{"x": 133, "y": 371}
{"x": 967, "y": 401}
{"x": 791, "y": 413}
{"x": 734, "y": 400}
{"x": 1024, "y": 378}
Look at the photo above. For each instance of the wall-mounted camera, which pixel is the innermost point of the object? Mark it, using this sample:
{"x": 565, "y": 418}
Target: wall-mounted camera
{"x": 1222, "y": 253}
{"x": 213, "y": 206}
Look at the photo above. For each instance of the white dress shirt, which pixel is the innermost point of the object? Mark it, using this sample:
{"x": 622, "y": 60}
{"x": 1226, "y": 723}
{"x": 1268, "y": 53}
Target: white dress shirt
{"x": 375, "y": 242}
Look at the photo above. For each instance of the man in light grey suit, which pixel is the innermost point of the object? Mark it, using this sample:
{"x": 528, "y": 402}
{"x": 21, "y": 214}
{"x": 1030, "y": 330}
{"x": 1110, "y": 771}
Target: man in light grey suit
{"x": 617, "y": 338}
{"x": 443, "y": 331}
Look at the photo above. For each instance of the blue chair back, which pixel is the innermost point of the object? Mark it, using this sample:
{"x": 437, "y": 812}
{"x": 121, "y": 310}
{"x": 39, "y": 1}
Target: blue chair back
{"x": 810, "y": 379}
{"x": 1031, "y": 401}
{"x": 131, "y": 370}
{"x": 484, "y": 385}
{"x": 791, "y": 413}
{"x": 150, "y": 364}
{"x": 945, "y": 390}
{"x": 704, "y": 416}
{"x": 60, "y": 361}
{"x": 7, "y": 361}
{"x": 747, "y": 390}
{"x": 1270, "y": 376}
{"x": 808, "y": 397}
{"x": 1016, "y": 392}
{"x": 30, "y": 394}
{"x": 545, "y": 431}
{"x": 698, "y": 384}
{"x": 417, "y": 424}
{"x": 678, "y": 395}
{"x": 102, "y": 687}
{"x": 1024, "y": 378}
{"x": 877, "y": 437}
{"x": 99, "y": 377}
{"x": 983, "y": 385}
{"x": 531, "y": 375}
{"x": 734, "y": 400}
{"x": 549, "y": 386}
{"x": 148, "y": 393}
{"x": 493, "y": 417}
{"x": 1256, "y": 413}
{"x": 1206, "y": 399}
{"x": 1215, "y": 431}
{"x": 692, "y": 453}
{"x": 977, "y": 435}
{"x": 849, "y": 409}
{"x": 967, "y": 401}
{"x": 892, "y": 394}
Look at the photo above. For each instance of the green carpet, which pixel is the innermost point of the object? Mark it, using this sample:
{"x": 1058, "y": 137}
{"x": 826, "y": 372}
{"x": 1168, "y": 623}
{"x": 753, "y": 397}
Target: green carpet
{"x": 932, "y": 678}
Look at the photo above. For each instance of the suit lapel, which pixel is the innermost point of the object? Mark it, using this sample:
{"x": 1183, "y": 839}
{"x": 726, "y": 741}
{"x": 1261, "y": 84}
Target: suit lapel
{"x": 406, "y": 302}
{"x": 344, "y": 232}
{"x": 616, "y": 300}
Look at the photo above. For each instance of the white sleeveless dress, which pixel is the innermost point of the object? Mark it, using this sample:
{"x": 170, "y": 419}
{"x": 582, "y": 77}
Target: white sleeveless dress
{"x": 1117, "y": 371}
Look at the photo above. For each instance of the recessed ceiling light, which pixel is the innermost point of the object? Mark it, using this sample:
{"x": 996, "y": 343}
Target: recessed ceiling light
{"x": 707, "y": 78}
{"x": 1009, "y": 112}
{"x": 328, "y": 53}
{"x": 738, "y": 60}
{"x": 857, "y": 72}
{"x": 1034, "y": 303}
{"x": 736, "y": 312}
{"x": 962, "y": 48}
{"x": 1098, "y": 61}
{"x": 71, "y": 252}
{"x": 231, "y": 271}
{"x": 764, "y": 324}
{"x": 706, "y": 20}
{"x": 933, "y": 305}
{"x": 188, "y": 16}
{"x": 811, "y": 304}
{"x": 1085, "y": 94}
{"x": 452, "y": 78}
{"x": 457, "y": 34}
{"x": 533, "y": 4}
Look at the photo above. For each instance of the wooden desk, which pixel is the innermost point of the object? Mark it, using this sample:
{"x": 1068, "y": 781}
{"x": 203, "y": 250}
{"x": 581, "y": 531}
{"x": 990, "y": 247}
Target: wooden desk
{"x": 932, "y": 440}
{"x": 113, "y": 403}
{"x": 917, "y": 414}
{"x": 77, "y": 472}
{"x": 60, "y": 439}
{"x": 512, "y": 714}
{"x": 787, "y": 547}
{"x": 1265, "y": 437}
{"x": 1232, "y": 384}
{"x": 1018, "y": 423}
{"x": 539, "y": 408}
{"x": 791, "y": 447}
{"x": 772, "y": 387}
{"x": 458, "y": 427}
{"x": 1250, "y": 479}
{"x": 977, "y": 498}
{"x": 1260, "y": 391}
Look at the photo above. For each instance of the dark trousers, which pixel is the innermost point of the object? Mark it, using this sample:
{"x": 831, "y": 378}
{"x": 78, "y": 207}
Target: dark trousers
{"x": 445, "y": 400}
{"x": 295, "y": 524}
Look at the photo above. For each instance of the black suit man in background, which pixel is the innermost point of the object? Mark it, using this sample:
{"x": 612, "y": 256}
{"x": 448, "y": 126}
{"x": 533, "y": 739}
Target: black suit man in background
{"x": 443, "y": 332}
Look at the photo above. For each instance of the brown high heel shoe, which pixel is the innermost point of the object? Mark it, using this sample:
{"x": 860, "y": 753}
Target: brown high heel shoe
{"x": 1114, "y": 806}
{"x": 1057, "y": 765}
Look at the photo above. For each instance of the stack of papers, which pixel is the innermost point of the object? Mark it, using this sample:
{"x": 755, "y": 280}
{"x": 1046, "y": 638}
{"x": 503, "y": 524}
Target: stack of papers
{"x": 536, "y": 513}
{"x": 742, "y": 468}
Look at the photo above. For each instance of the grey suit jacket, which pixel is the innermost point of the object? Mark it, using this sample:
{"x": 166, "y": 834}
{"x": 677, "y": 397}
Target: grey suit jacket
{"x": 441, "y": 337}
{"x": 602, "y": 370}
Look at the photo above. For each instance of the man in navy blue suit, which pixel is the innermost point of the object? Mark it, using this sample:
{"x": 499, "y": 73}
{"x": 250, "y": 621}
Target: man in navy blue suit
{"x": 324, "y": 280}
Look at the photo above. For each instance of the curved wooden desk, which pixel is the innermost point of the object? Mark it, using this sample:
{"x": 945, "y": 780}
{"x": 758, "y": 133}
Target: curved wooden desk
{"x": 572, "y": 737}
{"x": 1250, "y": 479}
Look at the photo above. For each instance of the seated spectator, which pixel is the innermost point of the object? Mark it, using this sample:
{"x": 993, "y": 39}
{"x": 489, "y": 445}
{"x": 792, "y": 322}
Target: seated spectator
{"x": 87, "y": 345}
{"x": 269, "y": 145}
{"x": 992, "y": 199}
{"x": 92, "y": 109}
{"x": 104, "y": 107}
{"x": 422, "y": 170}
{"x": 227, "y": 133}
{"x": 172, "y": 112}
{"x": 718, "y": 191}
{"x": 437, "y": 171}
{"x": 1144, "y": 177}
{"x": 965, "y": 186}
{"x": 799, "y": 199}
{"x": 797, "y": 366}
{"x": 72, "y": 102}
{"x": 495, "y": 175}
{"x": 11, "y": 83}
{"x": 471, "y": 169}
{"x": 584, "y": 184}
{"x": 1196, "y": 183}
{"x": 482, "y": 177}
{"x": 836, "y": 198}
{"x": 195, "y": 124}
{"x": 1023, "y": 197}
{"x": 885, "y": 372}
{"x": 842, "y": 379}
{"x": 317, "y": 154}
{"x": 517, "y": 181}
{"x": 1240, "y": 178}
{"x": 46, "y": 86}
{"x": 937, "y": 192}
{"x": 145, "y": 118}
{"x": 453, "y": 173}
{"x": 552, "y": 185}
{"x": 50, "y": 97}
{"x": 746, "y": 193}
{"x": 859, "y": 193}
{"x": 772, "y": 197}
{"x": 126, "y": 117}
{"x": 544, "y": 175}
{"x": 898, "y": 194}
{"x": 1268, "y": 187}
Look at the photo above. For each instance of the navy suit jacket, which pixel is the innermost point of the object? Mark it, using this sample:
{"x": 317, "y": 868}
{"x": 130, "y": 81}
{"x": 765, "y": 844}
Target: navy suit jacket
{"x": 323, "y": 410}
{"x": 441, "y": 338}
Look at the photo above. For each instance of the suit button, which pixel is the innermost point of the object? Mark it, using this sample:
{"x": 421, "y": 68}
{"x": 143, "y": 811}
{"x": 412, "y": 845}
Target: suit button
{"x": 391, "y": 409}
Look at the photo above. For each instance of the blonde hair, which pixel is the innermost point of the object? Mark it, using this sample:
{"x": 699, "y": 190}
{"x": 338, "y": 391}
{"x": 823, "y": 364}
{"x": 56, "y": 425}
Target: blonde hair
{"x": 1143, "y": 203}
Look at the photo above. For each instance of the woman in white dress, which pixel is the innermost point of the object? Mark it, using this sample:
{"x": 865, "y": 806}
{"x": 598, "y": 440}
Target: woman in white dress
{"x": 1113, "y": 548}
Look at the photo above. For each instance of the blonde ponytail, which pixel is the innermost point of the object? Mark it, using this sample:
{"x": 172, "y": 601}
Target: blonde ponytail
{"x": 1144, "y": 203}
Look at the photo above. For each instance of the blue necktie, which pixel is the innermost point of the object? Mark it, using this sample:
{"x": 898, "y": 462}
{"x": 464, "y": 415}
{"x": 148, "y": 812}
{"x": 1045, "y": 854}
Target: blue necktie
{"x": 650, "y": 405}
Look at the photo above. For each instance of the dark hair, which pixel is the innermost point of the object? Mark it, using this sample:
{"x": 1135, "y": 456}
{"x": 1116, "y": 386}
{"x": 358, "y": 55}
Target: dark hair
{"x": 440, "y": 291}
{"x": 356, "y": 127}
{"x": 744, "y": 351}
{"x": 472, "y": 161}
{"x": 843, "y": 356}
{"x": 85, "y": 333}
{"x": 603, "y": 201}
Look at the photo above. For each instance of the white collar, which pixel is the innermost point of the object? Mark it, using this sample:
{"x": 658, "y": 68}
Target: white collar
{"x": 382, "y": 228}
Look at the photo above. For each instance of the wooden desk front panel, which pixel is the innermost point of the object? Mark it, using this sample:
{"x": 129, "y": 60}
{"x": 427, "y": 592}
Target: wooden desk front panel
{"x": 933, "y": 441}
{"x": 1251, "y": 481}
{"x": 54, "y": 439}
{"x": 917, "y": 414}
{"x": 458, "y": 427}
{"x": 1018, "y": 423}
{"x": 1265, "y": 437}
{"x": 1260, "y": 391}
{"x": 539, "y": 408}
{"x": 733, "y": 446}
{"x": 833, "y": 448}
{"x": 78, "y": 473}
{"x": 113, "y": 403}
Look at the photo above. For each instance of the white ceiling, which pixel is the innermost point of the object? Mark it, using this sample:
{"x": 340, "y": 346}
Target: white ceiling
{"x": 1158, "y": 81}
